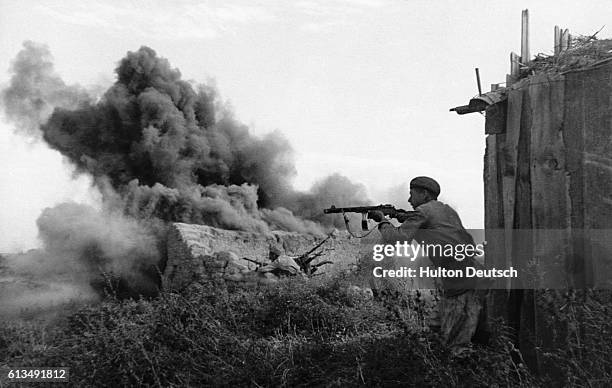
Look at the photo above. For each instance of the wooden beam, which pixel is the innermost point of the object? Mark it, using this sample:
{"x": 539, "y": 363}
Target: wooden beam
{"x": 557, "y": 43}
{"x": 515, "y": 70}
{"x": 509, "y": 157}
{"x": 525, "y": 56}
{"x": 550, "y": 199}
{"x": 495, "y": 122}
{"x": 564, "y": 40}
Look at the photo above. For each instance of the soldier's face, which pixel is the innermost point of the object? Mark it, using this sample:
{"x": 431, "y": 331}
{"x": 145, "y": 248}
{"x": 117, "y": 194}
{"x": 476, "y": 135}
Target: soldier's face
{"x": 417, "y": 197}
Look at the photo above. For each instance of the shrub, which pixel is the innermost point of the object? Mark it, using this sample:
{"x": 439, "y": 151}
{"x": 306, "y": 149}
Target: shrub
{"x": 295, "y": 333}
{"x": 578, "y": 328}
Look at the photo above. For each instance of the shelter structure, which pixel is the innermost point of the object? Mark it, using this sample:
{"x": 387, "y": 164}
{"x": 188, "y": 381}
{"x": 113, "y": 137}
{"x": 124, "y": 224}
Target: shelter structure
{"x": 548, "y": 180}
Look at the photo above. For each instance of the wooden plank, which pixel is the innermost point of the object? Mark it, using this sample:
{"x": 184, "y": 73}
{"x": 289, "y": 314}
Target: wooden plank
{"x": 491, "y": 197}
{"x": 589, "y": 146}
{"x": 557, "y": 44}
{"x": 549, "y": 181}
{"x": 515, "y": 70}
{"x": 597, "y": 164}
{"x": 574, "y": 128}
{"x": 494, "y": 215}
{"x": 525, "y": 55}
{"x": 520, "y": 207}
{"x": 564, "y": 45}
{"x": 508, "y": 150}
{"x": 522, "y": 239}
{"x": 494, "y": 233}
{"x": 495, "y": 122}
{"x": 517, "y": 217}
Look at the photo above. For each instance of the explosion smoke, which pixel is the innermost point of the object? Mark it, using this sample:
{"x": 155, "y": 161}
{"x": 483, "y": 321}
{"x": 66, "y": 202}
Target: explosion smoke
{"x": 84, "y": 241}
{"x": 334, "y": 189}
{"x": 85, "y": 254}
{"x": 159, "y": 149}
{"x": 175, "y": 153}
{"x": 35, "y": 90}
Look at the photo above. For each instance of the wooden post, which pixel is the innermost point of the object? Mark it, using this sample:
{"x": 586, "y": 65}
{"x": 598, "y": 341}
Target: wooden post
{"x": 551, "y": 204}
{"x": 494, "y": 226}
{"x": 525, "y": 56}
{"x": 557, "y": 44}
{"x": 564, "y": 40}
{"x": 515, "y": 70}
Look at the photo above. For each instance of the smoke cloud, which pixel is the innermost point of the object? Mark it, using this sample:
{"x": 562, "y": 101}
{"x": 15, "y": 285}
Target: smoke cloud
{"x": 174, "y": 152}
{"x": 398, "y": 194}
{"x": 114, "y": 241}
{"x": 160, "y": 150}
{"x": 170, "y": 149}
{"x": 85, "y": 253}
{"x": 335, "y": 190}
{"x": 35, "y": 90}
{"x": 88, "y": 243}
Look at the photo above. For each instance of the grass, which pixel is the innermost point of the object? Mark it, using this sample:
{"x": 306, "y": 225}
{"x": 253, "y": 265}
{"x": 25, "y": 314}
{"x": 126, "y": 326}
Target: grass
{"x": 296, "y": 333}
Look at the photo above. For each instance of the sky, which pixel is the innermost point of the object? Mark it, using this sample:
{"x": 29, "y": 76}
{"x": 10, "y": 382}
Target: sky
{"x": 358, "y": 87}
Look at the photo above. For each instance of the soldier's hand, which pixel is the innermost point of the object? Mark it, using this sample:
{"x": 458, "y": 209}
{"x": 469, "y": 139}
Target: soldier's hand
{"x": 401, "y": 217}
{"x": 376, "y": 215}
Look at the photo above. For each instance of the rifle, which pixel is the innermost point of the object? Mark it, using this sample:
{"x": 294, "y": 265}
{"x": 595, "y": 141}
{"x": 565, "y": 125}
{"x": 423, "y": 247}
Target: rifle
{"x": 388, "y": 210}
{"x": 258, "y": 263}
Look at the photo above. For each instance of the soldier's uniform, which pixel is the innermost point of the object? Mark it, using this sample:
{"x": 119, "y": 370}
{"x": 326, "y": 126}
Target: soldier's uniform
{"x": 434, "y": 222}
{"x": 282, "y": 266}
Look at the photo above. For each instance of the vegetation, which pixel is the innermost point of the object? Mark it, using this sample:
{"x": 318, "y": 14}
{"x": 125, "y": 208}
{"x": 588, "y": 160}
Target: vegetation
{"x": 295, "y": 333}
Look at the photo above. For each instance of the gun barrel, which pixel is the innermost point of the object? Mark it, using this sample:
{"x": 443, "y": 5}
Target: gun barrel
{"x": 358, "y": 209}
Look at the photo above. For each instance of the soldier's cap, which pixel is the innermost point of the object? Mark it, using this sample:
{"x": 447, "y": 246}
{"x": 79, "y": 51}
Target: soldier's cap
{"x": 427, "y": 183}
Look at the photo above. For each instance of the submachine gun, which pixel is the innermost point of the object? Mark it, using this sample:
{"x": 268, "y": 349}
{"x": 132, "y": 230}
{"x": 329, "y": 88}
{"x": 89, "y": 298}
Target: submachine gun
{"x": 387, "y": 210}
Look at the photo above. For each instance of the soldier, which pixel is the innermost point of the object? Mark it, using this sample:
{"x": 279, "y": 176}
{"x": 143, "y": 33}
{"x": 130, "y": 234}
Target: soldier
{"x": 433, "y": 222}
{"x": 280, "y": 265}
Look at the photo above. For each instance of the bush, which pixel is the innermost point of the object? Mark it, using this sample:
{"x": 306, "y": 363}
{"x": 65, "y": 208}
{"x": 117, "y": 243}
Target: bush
{"x": 324, "y": 311}
{"x": 296, "y": 333}
{"x": 578, "y": 328}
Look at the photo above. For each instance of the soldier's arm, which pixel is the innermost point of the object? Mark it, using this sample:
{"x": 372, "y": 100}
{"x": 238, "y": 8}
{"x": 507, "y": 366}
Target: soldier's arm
{"x": 406, "y": 231}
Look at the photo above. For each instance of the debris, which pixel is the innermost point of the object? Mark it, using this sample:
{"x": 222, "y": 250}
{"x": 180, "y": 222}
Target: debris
{"x": 304, "y": 261}
{"x": 584, "y": 51}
